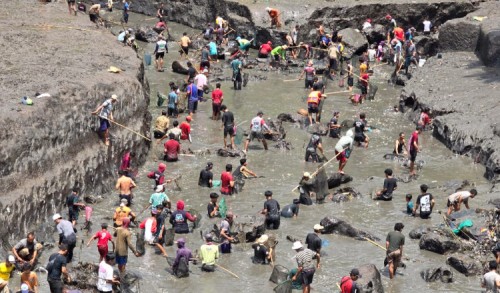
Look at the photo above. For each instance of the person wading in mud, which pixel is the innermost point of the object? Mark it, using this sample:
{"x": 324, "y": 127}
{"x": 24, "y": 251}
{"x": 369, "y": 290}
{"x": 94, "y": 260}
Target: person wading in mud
{"x": 400, "y": 147}
{"x": 105, "y": 111}
{"x": 125, "y": 185}
{"x": 414, "y": 149}
{"x": 394, "y": 248}
{"x": 228, "y": 126}
{"x": 256, "y": 126}
{"x": 123, "y": 244}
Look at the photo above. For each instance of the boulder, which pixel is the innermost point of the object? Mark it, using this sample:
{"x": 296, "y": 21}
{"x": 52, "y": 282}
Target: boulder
{"x": 178, "y": 67}
{"x": 338, "y": 226}
{"x": 495, "y": 202}
{"x": 345, "y": 194}
{"x": 464, "y": 265}
{"x": 355, "y": 42}
{"x": 336, "y": 179}
{"x": 146, "y": 34}
{"x": 489, "y": 43}
{"x": 426, "y": 45}
{"x": 418, "y": 232}
{"x": 370, "y": 280}
{"x": 228, "y": 153}
{"x": 442, "y": 274}
{"x": 459, "y": 34}
{"x": 286, "y": 117}
{"x": 438, "y": 243}
{"x": 375, "y": 34}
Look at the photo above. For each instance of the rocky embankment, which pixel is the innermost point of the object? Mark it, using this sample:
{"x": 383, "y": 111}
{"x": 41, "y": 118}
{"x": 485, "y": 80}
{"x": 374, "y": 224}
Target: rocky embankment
{"x": 50, "y": 147}
{"x": 460, "y": 91}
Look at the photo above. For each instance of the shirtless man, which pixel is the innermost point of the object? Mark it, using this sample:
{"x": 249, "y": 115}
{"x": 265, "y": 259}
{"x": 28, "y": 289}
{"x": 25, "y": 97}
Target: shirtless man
{"x": 125, "y": 185}
{"x": 185, "y": 42}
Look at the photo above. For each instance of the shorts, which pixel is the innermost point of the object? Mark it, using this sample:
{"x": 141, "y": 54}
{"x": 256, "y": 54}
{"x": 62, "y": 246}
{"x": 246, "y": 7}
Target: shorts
{"x": 73, "y": 215}
{"x": 312, "y": 108}
{"x": 225, "y": 247}
{"x": 255, "y": 134}
{"x": 105, "y": 124}
{"x": 160, "y": 55}
{"x": 309, "y": 83}
{"x": 216, "y": 107}
{"x": 333, "y": 64}
{"x": 450, "y": 204}
{"x": 205, "y": 64}
{"x": 394, "y": 256}
{"x": 359, "y": 137}
{"x": 273, "y": 222}
{"x": 127, "y": 197}
{"x": 93, "y": 17}
{"x": 208, "y": 268}
{"x": 55, "y": 286}
{"x": 413, "y": 155}
{"x": 200, "y": 94}
{"x": 277, "y": 57}
{"x": 167, "y": 159}
{"x": 350, "y": 81}
{"x": 71, "y": 1}
{"x": 103, "y": 250}
{"x": 425, "y": 215}
{"x": 184, "y": 50}
{"x": 158, "y": 134}
{"x": 385, "y": 197}
{"x": 192, "y": 106}
{"x": 313, "y": 155}
{"x": 172, "y": 112}
{"x": 341, "y": 157}
{"x": 229, "y": 130}
{"x": 121, "y": 260}
{"x": 261, "y": 55}
{"x": 307, "y": 276}
{"x": 364, "y": 89}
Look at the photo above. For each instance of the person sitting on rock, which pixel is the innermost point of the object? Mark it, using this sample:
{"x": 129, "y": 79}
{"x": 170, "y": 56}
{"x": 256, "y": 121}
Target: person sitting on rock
{"x": 390, "y": 184}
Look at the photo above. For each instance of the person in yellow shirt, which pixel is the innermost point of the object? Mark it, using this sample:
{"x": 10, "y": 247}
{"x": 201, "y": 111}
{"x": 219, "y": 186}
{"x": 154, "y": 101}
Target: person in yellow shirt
{"x": 209, "y": 253}
{"x": 6, "y": 269}
{"x": 123, "y": 212}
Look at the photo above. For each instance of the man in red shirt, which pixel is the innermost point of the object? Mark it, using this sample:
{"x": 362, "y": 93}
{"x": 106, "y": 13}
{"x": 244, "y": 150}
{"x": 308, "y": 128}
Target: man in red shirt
{"x": 399, "y": 34}
{"x": 217, "y": 98}
{"x": 125, "y": 166}
{"x": 172, "y": 149}
{"x": 227, "y": 181}
{"x": 265, "y": 49}
{"x": 414, "y": 149}
{"x": 102, "y": 237}
{"x": 186, "y": 129}
{"x": 424, "y": 118}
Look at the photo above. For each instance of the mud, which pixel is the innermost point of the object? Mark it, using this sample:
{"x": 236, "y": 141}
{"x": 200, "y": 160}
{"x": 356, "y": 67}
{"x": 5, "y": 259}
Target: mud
{"x": 50, "y": 147}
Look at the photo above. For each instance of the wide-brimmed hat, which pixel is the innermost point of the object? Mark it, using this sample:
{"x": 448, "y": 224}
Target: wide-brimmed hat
{"x": 262, "y": 239}
{"x": 297, "y": 245}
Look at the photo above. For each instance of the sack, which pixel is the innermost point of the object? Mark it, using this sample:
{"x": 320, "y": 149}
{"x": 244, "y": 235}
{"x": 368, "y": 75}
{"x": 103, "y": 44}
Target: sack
{"x": 139, "y": 243}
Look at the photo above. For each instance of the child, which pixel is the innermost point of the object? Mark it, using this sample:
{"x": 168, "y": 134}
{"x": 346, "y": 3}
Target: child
{"x": 409, "y": 204}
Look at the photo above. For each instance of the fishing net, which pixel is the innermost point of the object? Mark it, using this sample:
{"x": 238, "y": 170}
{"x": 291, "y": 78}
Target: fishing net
{"x": 196, "y": 223}
{"x": 222, "y": 208}
{"x": 372, "y": 91}
{"x": 238, "y": 138}
{"x": 140, "y": 243}
{"x": 321, "y": 185}
{"x": 168, "y": 237}
{"x": 284, "y": 287}
{"x": 279, "y": 274}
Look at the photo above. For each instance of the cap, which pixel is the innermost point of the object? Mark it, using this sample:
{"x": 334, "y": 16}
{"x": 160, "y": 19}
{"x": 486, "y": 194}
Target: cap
{"x": 388, "y": 16}
{"x": 11, "y": 259}
{"x": 56, "y": 216}
{"x": 188, "y": 118}
{"x": 269, "y": 43}
{"x": 114, "y": 97}
{"x": 181, "y": 240}
{"x": 25, "y": 288}
{"x": 307, "y": 175}
{"x": 297, "y": 245}
{"x": 159, "y": 188}
{"x": 260, "y": 113}
{"x": 262, "y": 239}
{"x": 268, "y": 9}
{"x": 355, "y": 272}
{"x": 208, "y": 237}
{"x": 284, "y": 47}
{"x": 318, "y": 227}
{"x": 205, "y": 70}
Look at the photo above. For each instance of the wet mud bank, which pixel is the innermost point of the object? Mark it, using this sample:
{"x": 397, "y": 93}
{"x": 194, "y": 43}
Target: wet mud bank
{"x": 48, "y": 148}
{"x": 460, "y": 88}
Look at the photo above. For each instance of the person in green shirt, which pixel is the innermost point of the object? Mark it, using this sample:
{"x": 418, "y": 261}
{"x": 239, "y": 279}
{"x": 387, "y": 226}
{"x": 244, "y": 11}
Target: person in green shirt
{"x": 237, "y": 65}
{"x": 209, "y": 252}
{"x": 297, "y": 284}
{"x": 394, "y": 246}
{"x": 279, "y": 53}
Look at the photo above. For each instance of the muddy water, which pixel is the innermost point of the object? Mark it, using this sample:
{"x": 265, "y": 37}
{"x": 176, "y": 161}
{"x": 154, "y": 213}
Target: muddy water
{"x": 282, "y": 170}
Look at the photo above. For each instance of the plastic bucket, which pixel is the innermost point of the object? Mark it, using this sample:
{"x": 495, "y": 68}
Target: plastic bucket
{"x": 421, "y": 62}
{"x": 147, "y": 59}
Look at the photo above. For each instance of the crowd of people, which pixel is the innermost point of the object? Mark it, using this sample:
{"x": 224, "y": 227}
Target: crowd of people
{"x": 161, "y": 219}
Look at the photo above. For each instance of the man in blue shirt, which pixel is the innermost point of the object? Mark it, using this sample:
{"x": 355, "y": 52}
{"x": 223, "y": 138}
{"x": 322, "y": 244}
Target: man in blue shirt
{"x": 126, "y": 7}
{"x": 192, "y": 92}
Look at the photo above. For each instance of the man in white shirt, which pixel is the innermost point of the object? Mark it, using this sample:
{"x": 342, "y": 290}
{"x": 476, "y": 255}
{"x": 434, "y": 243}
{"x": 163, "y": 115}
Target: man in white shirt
{"x": 491, "y": 280}
{"x": 456, "y": 199}
{"x": 106, "y": 277}
{"x": 427, "y": 26}
{"x": 201, "y": 82}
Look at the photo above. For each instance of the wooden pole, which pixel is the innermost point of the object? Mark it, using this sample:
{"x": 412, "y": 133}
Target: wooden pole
{"x": 375, "y": 243}
{"x": 287, "y": 80}
{"x": 229, "y": 31}
{"x": 147, "y": 138}
{"x": 331, "y": 93}
{"x": 321, "y": 167}
{"x": 227, "y": 271}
